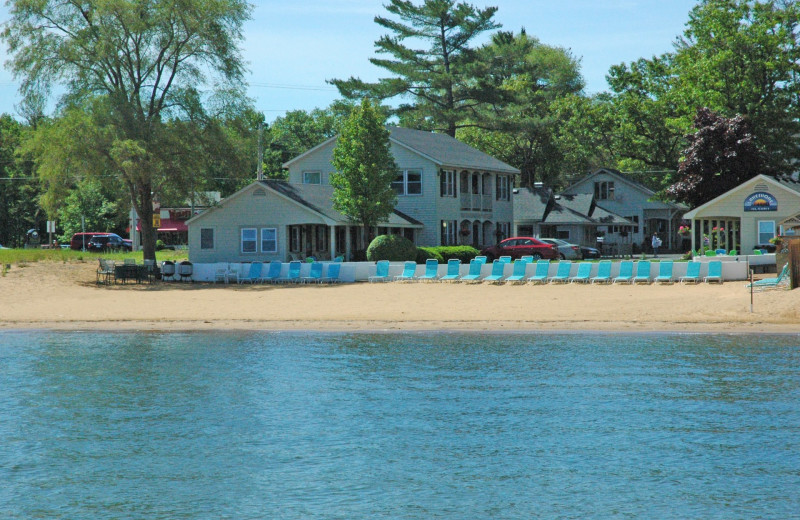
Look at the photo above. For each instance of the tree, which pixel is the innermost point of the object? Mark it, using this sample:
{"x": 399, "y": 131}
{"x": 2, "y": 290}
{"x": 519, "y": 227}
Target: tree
{"x": 137, "y": 64}
{"x": 721, "y": 154}
{"x": 365, "y": 169}
{"x": 440, "y": 78}
{"x": 19, "y": 193}
{"x": 87, "y": 204}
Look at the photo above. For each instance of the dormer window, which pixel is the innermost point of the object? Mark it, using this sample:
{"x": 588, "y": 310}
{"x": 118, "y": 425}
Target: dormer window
{"x": 312, "y": 178}
{"x": 604, "y": 190}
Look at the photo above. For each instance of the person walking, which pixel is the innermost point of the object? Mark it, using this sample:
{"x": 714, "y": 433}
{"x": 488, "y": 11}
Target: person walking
{"x": 656, "y": 243}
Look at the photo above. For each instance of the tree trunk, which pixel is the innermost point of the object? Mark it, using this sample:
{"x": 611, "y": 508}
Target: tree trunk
{"x": 143, "y": 204}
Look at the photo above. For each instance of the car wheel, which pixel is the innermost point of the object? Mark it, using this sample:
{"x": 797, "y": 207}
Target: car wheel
{"x": 561, "y": 256}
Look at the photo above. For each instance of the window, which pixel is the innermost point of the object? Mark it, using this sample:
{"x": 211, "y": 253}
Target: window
{"x": 408, "y": 182}
{"x": 766, "y": 230}
{"x": 269, "y": 240}
{"x": 562, "y": 234}
{"x": 449, "y": 229}
{"x": 312, "y": 178}
{"x": 635, "y": 220}
{"x": 249, "y": 240}
{"x": 207, "y": 238}
{"x": 294, "y": 239}
{"x": 321, "y": 237}
{"x": 604, "y": 190}
{"x": 502, "y": 188}
{"x": 447, "y": 183}
{"x": 502, "y": 230}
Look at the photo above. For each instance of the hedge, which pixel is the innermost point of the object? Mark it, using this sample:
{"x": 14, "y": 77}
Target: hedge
{"x": 391, "y": 247}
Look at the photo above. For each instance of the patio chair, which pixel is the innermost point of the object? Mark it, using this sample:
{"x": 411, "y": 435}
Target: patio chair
{"x": 474, "y": 273}
{"x": 733, "y": 252}
{"x": 714, "y": 272}
{"x": 409, "y": 270}
{"x": 339, "y": 259}
{"x": 603, "y": 272}
{"x": 584, "y": 271}
{"x": 314, "y": 273}
{"x": 498, "y": 266}
{"x": 431, "y": 271}
{"x": 711, "y": 253}
{"x": 782, "y": 280}
{"x": 664, "y": 272}
{"x": 542, "y": 269}
{"x": 526, "y": 258}
{"x": 692, "y": 273}
{"x": 625, "y": 272}
{"x": 253, "y": 274}
{"x": 105, "y": 270}
{"x": 453, "y": 270}
{"x": 274, "y": 272}
{"x": 149, "y": 267}
{"x": 221, "y": 272}
{"x": 518, "y": 273}
{"x": 332, "y": 276}
{"x": 642, "y": 272}
{"x": 381, "y": 272}
{"x": 758, "y": 252}
{"x": 506, "y": 259}
{"x": 481, "y": 259}
{"x": 721, "y": 252}
{"x": 293, "y": 276}
{"x": 562, "y": 273}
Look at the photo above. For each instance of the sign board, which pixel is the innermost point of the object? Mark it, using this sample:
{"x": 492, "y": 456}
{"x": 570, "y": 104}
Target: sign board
{"x": 761, "y": 201}
{"x": 51, "y": 226}
{"x": 156, "y": 221}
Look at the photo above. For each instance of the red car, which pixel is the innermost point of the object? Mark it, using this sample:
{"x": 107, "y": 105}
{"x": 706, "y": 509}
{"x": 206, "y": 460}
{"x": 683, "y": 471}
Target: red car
{"x": 517, "y": 247}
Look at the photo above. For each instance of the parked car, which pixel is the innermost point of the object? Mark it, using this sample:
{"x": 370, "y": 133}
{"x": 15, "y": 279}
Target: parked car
{"x": 78, "y": 239}
{"x": 566, "y": 251}
{"x": 107, "y": 242}
{"x": 590, "y": 252}
{"x": 517, "y": 247}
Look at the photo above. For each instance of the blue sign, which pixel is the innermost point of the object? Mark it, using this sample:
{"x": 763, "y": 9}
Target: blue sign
{"x": 761, "y": 201}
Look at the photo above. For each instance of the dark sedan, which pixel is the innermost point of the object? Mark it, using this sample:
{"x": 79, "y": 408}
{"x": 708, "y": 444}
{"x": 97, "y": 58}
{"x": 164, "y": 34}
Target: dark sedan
{"x": 517, "y": 247}
{"x": 108, "y": 242}
{"x": 590, "y": 252}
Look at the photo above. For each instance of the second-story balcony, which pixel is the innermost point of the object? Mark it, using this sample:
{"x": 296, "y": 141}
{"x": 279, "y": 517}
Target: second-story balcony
{"x": 476, "y": 202}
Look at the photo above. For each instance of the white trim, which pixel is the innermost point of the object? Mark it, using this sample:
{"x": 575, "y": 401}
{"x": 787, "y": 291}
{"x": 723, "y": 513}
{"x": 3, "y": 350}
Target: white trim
{"x": 261, "y": 239}
{"x": 318, "y": 172}
{"x": 693, "y": 213}
{"x": 241, "y": 241}
{"x": 309, "y": 151}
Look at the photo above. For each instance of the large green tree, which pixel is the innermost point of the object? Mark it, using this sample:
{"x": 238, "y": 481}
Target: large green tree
{"x": 138, "y": 63}
{"x": 19, "y": 194}
{"x": 438, "y": 76}
{"x": 365, "y": 169}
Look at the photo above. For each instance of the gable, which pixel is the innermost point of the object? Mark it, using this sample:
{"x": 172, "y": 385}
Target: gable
{"x": 731, "y": 203}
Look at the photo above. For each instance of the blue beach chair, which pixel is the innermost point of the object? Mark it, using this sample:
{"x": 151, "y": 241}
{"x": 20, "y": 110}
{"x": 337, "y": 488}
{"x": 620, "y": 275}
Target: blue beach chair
{"x": 409, "y": 270}
{"x": 293, "y": 276}
{"x": 431, "y": 271}
{"x": 481, "y": 259}
{"x": 642, "y": 272}
{"x": 625, "y": 272}
{"x": 332, "y": 276}
{"x": 474, "y": 274}
{"x": 664, "y": 272}
{"x": 782, "y": 280}
{"x": 381, "y": 272}
{"x": 498, "y": 267}
{"x": 253, "y": 274}
{"x": 506, "y": 259}
{"x": 562, "y": 273}
{"x": 518, "y": 274}
{"x": 314, "y": 274}
{"x": 692, "y": 273}
{"x": 453, "y": 270}
{"x": 274, "y": 271}
{"x": 584, "y": 271}
{"x": 714, "y": 272}
{"x": 542, "y": 269}
{"x": 603, "y": 272}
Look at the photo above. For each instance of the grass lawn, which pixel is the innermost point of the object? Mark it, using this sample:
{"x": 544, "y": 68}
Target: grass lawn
{"x": 21, "y": 256}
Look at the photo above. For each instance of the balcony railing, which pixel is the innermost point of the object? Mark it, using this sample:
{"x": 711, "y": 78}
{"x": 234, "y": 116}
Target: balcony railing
{"x": 476, "y": 202}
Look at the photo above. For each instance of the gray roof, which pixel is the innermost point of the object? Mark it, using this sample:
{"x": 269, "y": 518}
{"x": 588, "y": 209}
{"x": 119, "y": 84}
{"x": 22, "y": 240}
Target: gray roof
{"x": 788, "y": 182}
{"x": 531, "y": 203}
{"x": 447, "y": 151}
{"x": 318, "y": 198}
{"x": 540, "y": 205}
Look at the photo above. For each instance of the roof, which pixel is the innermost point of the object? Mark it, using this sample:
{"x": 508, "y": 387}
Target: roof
{"x": 785, "y": 182}
{"x": 540, "y": 205}
{"x": 531, "y": 202}
{"x": 638, "y": 185}
{"x": 167, "y": 225}
{"x": 441, "y": 149}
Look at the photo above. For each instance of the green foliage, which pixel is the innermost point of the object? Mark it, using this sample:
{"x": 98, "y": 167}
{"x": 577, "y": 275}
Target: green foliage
{"x": 438, "y": 75}
{"x": 21, "y": 256}
{"x": 365, "y": 168}
{"x": 391, "y": 247}
{"x": 424, "y": 253}
{"x": 463, "y": 253}
{"x": 19, "y": 191}
{"x": 89, "y": 201}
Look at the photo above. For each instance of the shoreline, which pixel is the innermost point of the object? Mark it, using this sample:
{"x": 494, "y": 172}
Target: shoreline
{"x": 64, "y": 297}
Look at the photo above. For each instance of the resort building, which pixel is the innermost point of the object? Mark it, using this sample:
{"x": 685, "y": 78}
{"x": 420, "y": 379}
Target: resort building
{"x": 747, "y": 216}
{"x": 448, "y": 193}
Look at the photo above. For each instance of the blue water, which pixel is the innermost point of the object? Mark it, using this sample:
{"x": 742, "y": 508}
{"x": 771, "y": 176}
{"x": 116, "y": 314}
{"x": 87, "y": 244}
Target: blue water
{"x": 464, "y": 426}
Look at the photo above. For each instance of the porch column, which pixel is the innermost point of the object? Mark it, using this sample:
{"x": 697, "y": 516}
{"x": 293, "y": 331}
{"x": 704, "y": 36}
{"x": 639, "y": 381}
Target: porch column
{"x": 347, "y": 244}
{"x": 332, "y": 243}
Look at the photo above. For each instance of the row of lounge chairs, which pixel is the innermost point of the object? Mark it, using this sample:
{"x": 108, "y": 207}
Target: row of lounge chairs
{"x": 256, "y": 274}
{"x": 627, "y": 273}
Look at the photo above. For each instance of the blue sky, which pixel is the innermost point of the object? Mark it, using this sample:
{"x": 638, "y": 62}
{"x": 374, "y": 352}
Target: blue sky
{"x": 293, "y": 47}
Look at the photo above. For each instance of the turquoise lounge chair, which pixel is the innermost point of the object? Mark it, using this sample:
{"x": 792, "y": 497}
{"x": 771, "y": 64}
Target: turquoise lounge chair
{"x": 584, "y": 271}
{"x": 562, "y": 273}
{"x": 409, "y": 270}
{"x": 625, "y": 272}
{"x": 526, "y": 258}
{"x": 664, "y": 272}
{"x": 518, "y": 274}
{"x": 603, "y": 272}
{"x": 474, "y": 274}
{"x": 498, "y": 266}
{"x": 293, "y": 276}
{"x": 274, "y": 271}
{"x": 431, "y": 271}
{"x": 453, "y": 270}
{"x": 714, "y": 272}
{"x": 332, "y": 276}
{"x": 481, "y": 259}
{"x": 506, "y": 259}
{"x": 381, "y": 272}
{"x": 782, "y": 280}
{"x": 642, "y": 272}
{"x": 692, "y": 273}
{"x": 540, "y": 275}
{"x": 253, "y": 274}
{"x": 314, "y": 274}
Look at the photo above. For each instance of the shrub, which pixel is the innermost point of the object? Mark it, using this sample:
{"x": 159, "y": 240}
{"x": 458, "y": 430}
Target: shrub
{"x": 391, "y": 247}
{"x": 424, "y": 253}
{"x": 159, "y": 245}
{"x": 463, "y": 253}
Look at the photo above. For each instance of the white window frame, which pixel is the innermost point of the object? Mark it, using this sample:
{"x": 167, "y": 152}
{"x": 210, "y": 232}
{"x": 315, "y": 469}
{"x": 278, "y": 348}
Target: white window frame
{"x": 306, "y": 175}
{"x": 447, "y": 187}
{"x": 213, "y": 239}
{"x": 503, "y": 188}
{"x": 604, "y": 190}
{"x": 254, "y": 240}
{"x": 759, "y": 232}
{"x": 405, "y": 183}
{"x": 274, "y": 239}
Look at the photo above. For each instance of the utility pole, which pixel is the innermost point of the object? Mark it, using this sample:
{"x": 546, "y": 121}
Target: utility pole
{"x": 260, "y": 169}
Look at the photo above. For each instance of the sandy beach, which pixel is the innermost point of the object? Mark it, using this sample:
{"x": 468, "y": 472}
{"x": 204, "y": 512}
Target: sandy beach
{"x": 64, "y": 296}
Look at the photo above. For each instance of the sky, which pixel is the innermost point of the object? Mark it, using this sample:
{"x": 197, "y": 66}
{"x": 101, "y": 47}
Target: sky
{"x": 291, "y": 48}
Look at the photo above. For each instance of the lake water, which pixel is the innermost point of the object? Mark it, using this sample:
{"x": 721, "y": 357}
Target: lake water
{"x": 465, "y": 426}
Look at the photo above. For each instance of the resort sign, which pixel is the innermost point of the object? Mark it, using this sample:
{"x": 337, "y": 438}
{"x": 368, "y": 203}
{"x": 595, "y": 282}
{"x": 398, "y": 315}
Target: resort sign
{"x": 761, "y": 201}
